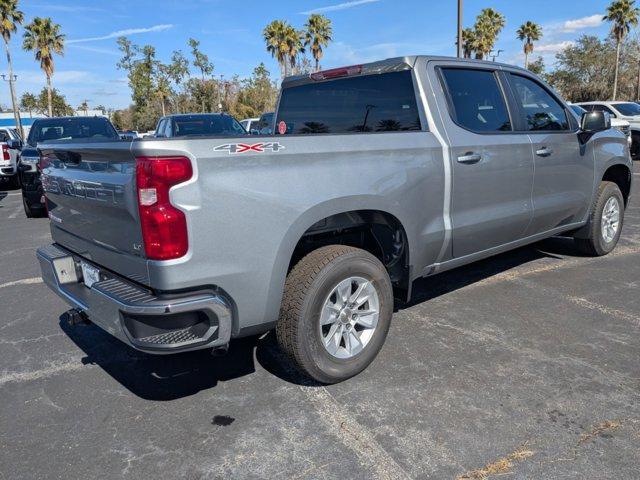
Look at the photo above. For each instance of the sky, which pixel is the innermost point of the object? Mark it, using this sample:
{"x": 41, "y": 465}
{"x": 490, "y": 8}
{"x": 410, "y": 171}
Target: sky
{"x": 230, "y": 32}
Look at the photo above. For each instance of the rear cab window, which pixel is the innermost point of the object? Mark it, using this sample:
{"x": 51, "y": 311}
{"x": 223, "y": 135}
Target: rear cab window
{"x": 374, "y": 103}
{"x": 476, "y": 101}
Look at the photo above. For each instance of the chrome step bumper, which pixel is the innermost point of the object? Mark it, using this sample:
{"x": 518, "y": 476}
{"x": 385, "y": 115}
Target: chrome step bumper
{"x": 134, "y": 314}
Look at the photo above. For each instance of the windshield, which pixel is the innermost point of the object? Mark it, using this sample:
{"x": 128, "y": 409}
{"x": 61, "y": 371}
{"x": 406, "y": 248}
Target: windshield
{"x": 628, "y": 109}
{"x": 207, "y": 125}
{"x": 71, "y": 129}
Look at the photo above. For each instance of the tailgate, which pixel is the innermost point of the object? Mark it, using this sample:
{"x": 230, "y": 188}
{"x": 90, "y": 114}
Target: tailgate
{"x": 91, "y": 198}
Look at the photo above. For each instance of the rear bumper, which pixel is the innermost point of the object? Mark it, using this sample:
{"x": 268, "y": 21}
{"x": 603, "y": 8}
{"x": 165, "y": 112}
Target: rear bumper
{"x": 7, "y": 170}
{"x": 135, "y": 315}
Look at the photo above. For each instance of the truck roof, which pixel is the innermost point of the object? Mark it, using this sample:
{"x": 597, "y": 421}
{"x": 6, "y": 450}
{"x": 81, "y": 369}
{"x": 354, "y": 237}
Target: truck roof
{"x": 395, "y": 64}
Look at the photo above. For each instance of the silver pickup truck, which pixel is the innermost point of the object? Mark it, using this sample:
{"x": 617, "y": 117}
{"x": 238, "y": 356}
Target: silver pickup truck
{"x": 376, "y": 175}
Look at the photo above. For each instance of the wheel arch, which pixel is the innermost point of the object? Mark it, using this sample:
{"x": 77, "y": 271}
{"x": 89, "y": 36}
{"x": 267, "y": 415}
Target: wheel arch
{"x": 352, "y": 207}
{"x": 621, "y": 175}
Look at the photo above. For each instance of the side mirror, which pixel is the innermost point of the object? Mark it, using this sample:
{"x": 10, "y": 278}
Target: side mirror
{"x": 592, "y": 122}
{"x": 14, "y": 144}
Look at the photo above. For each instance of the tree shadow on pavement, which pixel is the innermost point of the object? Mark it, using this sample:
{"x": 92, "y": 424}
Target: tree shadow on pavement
{"x": 170, "y": 377}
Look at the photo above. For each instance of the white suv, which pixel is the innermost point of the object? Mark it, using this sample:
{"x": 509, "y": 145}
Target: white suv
{"x": 629, "y": 111}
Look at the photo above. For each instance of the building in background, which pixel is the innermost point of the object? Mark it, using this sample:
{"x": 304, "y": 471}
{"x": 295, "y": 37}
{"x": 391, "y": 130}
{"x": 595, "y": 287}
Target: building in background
{"x": 7, "y": 118}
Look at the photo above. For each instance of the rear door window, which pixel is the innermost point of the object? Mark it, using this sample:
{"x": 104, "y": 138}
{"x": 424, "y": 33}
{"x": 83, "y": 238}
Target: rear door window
{"x": 476, "y": 100}
{"x": 541, "y": 111}
{"x": 362, "y": 104}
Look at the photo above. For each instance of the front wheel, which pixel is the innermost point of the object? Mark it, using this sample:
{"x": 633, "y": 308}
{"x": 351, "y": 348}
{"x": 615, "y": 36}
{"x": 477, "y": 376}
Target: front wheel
{"x": 336, "y": 311}
{"x": 606, "y": 218}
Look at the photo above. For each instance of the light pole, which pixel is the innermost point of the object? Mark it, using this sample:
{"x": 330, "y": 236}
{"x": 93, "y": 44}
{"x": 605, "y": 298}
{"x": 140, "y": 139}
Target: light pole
{"x": 497, "y": 54}
{"x": 220, "y": 89}
{"x": 459, "y": 29}
{"x": 11, "y": 78}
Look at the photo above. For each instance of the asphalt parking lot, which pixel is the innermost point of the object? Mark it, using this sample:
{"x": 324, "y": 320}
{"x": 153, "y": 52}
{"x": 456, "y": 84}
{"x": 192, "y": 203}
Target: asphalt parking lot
{"x": 527, "y": 365}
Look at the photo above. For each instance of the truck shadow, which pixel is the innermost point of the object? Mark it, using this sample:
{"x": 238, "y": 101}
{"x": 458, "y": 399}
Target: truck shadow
{"x": 164, "y": 378}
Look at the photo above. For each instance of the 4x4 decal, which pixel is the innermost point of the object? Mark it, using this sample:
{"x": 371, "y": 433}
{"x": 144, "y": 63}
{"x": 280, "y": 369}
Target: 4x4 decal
{"x": 261, "y": 147}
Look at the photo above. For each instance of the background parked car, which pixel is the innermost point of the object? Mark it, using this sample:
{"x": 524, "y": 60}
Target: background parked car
{"x": 10, "y": 144}
{"x": 250, "y": 124}
{"x": 198, "y": 124}
{"x": 621, "y": 125}
{"x": 265, "y": 124}
{"x": 89, "y": 129}
{"x": 128, "y": 134}
{"x": 629, "y": 111}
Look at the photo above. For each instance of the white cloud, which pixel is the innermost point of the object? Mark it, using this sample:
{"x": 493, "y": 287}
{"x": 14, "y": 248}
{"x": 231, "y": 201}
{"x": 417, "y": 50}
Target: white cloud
{"x": 123, "y": 33}
{"x": 103, "y": 51}
{"x": 591, "y": 21}
{"x": 553, "y": 47}
{"x": 342, "y": 53}
{"x": 339, "y": 6}
{"x": 60, "y": 77}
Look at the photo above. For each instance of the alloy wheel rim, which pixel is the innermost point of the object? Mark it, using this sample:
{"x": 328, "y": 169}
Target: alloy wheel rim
{"x": 610, "y": 219}
{"x": 349, "y": 317}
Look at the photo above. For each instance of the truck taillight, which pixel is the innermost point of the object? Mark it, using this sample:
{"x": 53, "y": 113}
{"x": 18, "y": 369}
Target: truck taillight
{"x": 5, "y": 152}
{"x": 164, "y": 227}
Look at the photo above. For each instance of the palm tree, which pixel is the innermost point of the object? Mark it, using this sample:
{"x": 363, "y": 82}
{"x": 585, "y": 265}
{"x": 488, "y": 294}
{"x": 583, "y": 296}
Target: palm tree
{"x": 623, "y": 14}
{"x": 529, "y": 32}
{"x": 468, "y": 42}
{"x": 294, "y": 40}
{"x": 487, "y": 27}
{"x": 84, "y": 107}
{"x": 43, "y": 37}
{"x": 275, "y": 37}
{"x": 10, "y": 18}
{"x": 317, "y": 34}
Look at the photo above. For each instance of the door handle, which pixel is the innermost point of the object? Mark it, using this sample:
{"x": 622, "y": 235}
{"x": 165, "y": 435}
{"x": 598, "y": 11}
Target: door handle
{"x": 544, "y": 152}
{"x": 469, "y": 157}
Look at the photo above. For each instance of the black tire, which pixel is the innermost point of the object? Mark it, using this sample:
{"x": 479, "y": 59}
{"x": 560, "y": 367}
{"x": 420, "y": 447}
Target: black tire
{"x": 307, "y": 287}
{"x": 27, "y": 209}
{"x": 31, "y": 212}
{"x": 595, "y": 244}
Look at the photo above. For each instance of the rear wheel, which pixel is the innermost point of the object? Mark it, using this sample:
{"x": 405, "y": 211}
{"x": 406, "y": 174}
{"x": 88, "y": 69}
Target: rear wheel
{"x": 606, "y": 219}
{"x": 335, "y": 313}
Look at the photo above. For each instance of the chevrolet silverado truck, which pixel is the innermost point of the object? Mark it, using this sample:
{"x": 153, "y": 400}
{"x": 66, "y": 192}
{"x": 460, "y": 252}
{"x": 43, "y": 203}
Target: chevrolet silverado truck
{"x": 376, "y": 175}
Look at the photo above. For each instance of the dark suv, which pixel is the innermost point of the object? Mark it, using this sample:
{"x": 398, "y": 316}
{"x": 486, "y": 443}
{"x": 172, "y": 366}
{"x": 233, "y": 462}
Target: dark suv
{"x": 87, "y": 129}
{"x": 198, "y": 124}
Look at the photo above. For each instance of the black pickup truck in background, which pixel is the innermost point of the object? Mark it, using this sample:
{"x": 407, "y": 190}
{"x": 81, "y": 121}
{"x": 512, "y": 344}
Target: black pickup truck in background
{"x": 59, "y": 129}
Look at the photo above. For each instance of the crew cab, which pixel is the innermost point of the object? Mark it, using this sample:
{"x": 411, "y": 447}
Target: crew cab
{"x": 377, "y": 175}
{"x": 62, "y": 129}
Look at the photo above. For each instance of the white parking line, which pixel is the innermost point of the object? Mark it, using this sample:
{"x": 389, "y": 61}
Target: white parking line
{"x": 46, "y": 372}
{"x": 16, "y": 212}
{"x": 354, "y": 435}
{"x": 24, "y": 281}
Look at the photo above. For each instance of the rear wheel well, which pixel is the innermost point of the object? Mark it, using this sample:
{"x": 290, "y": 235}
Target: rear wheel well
{"x": 621, "y": 176}
{"x": 377, "y": 232}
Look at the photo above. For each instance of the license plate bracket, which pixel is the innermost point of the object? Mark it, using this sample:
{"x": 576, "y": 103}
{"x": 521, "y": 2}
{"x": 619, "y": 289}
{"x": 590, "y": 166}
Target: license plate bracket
{"x": 90, "y": 274}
